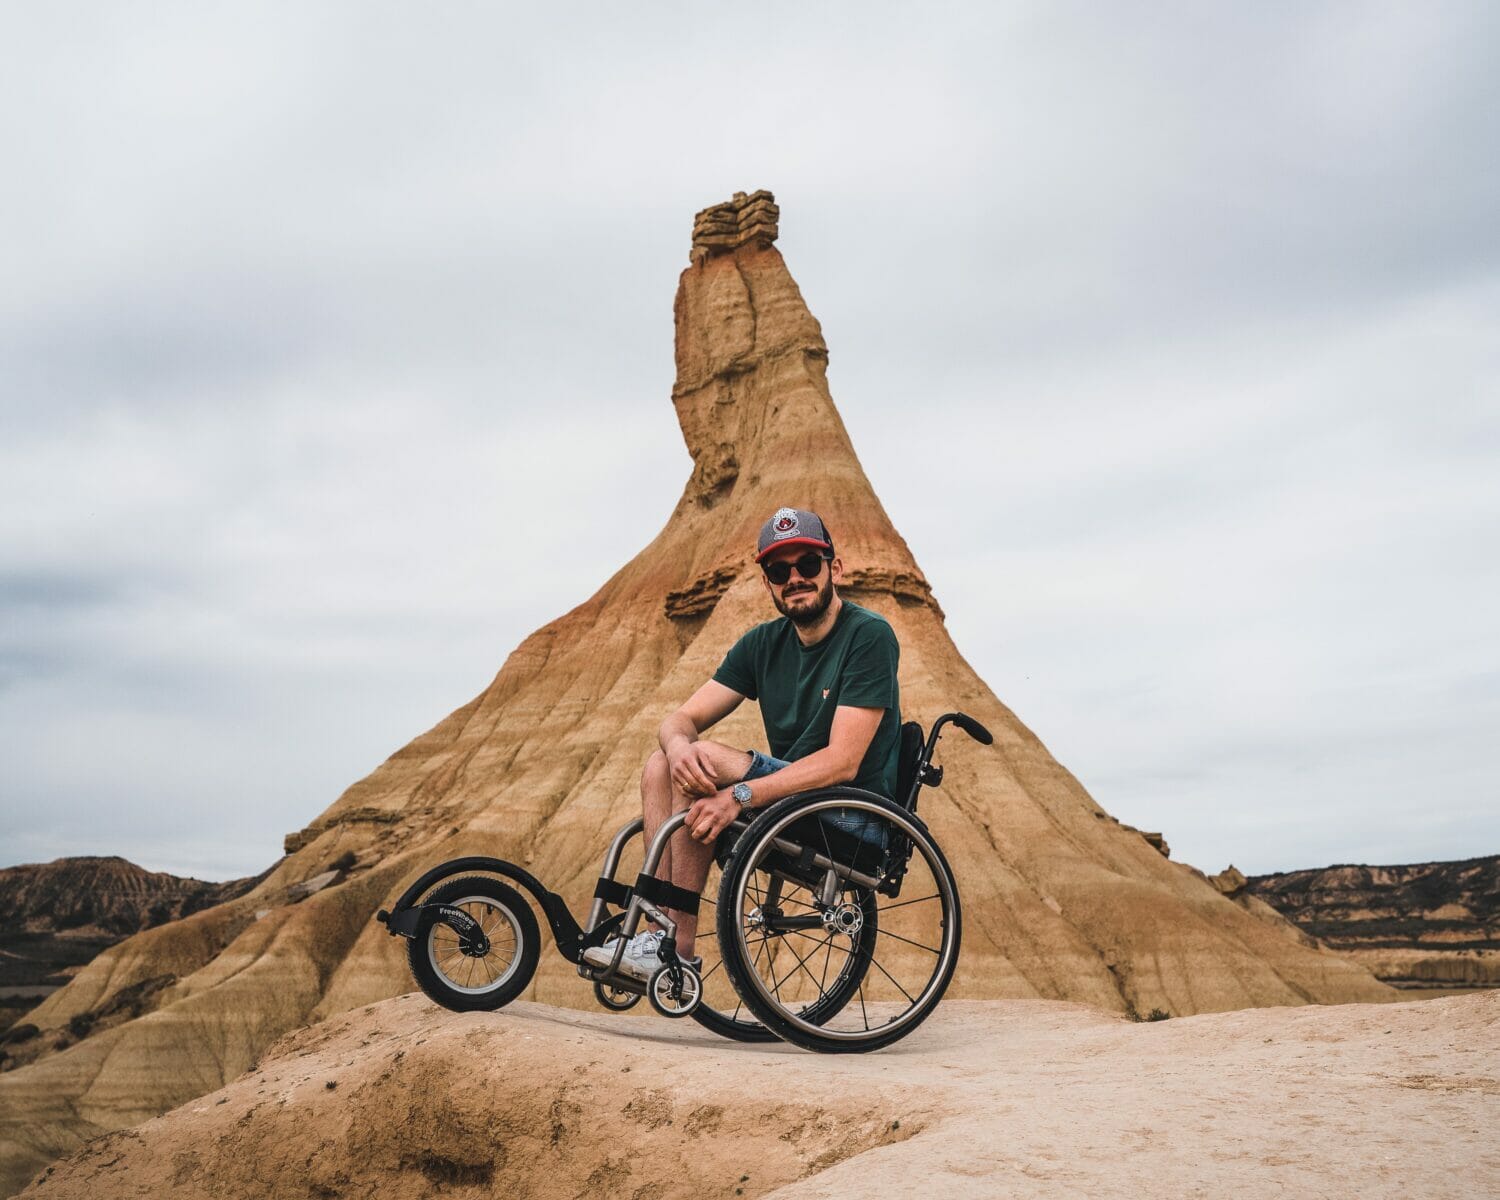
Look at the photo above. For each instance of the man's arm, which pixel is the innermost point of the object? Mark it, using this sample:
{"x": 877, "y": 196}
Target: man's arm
{"x": 691, "y": 770}
{"x": 838, "y": 762}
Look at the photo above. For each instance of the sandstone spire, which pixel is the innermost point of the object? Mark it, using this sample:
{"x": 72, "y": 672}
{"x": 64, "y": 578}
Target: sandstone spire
{"x": 1061, "y": 901}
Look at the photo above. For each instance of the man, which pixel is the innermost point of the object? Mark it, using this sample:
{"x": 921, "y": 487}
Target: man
{"x": 825, "y": 677}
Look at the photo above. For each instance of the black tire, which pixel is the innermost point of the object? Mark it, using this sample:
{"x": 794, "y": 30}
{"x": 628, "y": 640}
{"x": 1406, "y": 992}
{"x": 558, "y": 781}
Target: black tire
{"x": 910, "y": 956}
{"x": 722, "y": 1010}
{"x": 466, "y": 984}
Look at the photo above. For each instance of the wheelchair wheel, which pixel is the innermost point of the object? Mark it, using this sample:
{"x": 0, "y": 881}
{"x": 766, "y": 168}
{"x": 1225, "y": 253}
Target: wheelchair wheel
{"x": 839, "y": 921}
{"x": 722, "y": 1010}
{"x": 465, "y": 982}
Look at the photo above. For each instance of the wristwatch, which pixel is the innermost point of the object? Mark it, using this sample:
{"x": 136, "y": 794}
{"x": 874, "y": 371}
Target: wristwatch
{"x": 742, "y": 796}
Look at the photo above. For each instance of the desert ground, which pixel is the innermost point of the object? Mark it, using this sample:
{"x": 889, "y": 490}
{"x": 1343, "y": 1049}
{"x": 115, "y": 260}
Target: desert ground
{"x": 1017, "y": 1098}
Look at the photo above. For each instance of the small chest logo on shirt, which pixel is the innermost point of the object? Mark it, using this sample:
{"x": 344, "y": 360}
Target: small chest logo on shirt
{"x": 825, "y": 693}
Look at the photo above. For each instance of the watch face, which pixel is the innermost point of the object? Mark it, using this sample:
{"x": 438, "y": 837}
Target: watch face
{"x": 741, "y": 793}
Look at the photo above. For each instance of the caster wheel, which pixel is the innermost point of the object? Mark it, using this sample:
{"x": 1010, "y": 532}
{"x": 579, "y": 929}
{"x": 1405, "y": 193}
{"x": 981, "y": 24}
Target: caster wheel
{"x": 616, "y": 999}
{"x": 671, "y": 1000}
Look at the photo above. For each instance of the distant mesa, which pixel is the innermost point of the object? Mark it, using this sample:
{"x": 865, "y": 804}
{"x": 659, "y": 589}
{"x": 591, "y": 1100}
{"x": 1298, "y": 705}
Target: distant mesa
{"x": 59, "y": 915}
{"x": 1422, "y": 925}
{"x": 539, "y": 768}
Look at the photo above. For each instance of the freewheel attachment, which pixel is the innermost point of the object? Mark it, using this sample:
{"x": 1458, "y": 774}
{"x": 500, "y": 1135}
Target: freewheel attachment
{"x": 675, "y": 991}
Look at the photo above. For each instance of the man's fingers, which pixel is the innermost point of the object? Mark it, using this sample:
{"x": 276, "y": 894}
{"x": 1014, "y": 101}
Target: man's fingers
{"x": 700, "y": 773}
{"x": 691, "y": 778}
{"x": 700, "y": 824}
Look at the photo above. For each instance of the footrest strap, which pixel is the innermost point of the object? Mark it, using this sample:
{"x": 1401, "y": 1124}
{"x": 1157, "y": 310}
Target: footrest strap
{"x": 666, "y": 895}
{"x": 612, "y": 892}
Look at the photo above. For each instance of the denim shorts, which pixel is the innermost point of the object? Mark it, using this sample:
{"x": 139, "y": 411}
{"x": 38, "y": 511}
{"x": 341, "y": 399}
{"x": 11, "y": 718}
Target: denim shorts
{"x": 762, "y": 765}
{"x": 855, "y": 824}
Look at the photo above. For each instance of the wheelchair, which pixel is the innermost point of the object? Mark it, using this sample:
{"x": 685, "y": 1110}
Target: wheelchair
{"x": 834, "y": 920}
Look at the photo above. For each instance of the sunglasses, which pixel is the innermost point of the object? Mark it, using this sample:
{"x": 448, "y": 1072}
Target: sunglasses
{"x": 809, "y": 566}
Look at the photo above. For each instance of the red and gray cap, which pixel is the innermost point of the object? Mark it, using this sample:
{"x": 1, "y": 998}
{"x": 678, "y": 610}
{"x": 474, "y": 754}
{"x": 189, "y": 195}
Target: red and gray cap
{"x": 793, "y": 527}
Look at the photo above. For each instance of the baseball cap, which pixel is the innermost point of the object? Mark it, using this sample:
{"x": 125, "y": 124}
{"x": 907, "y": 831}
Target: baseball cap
{"x": 793, "y": 527}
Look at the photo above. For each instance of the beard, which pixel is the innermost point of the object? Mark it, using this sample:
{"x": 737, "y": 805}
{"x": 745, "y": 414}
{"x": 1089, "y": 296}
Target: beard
{"x": 809, "y": 608}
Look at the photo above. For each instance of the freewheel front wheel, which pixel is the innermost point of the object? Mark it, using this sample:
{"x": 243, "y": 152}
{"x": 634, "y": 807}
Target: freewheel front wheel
{"x": 463, "y": 977}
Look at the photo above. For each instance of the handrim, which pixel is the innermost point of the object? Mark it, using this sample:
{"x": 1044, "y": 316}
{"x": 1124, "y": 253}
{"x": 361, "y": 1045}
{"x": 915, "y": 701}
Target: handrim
{"x": 942, "y": 879}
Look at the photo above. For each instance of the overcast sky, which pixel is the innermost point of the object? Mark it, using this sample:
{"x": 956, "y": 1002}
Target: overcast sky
{"x": 336, "y": 355}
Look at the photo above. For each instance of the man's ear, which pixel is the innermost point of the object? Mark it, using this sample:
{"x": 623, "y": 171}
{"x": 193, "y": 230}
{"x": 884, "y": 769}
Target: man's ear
{"x": 836, "y": 569}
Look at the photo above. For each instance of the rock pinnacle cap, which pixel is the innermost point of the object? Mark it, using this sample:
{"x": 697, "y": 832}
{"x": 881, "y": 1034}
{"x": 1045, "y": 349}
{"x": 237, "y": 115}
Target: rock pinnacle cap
{"x": 793, "y": 527}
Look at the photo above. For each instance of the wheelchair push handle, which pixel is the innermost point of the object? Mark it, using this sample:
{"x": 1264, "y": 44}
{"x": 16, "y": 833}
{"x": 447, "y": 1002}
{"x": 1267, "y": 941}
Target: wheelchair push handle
{"x": 965, "y": 722}
{"x": 973, "y": 728}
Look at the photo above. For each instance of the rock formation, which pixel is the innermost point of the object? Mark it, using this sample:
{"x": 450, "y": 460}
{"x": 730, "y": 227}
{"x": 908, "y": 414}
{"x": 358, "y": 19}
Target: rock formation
{"x": 59, "y": 915}
{"x": 1420, "y": 925}
{"x": 1061, "y": 902}
{"x": 996, "y": 1098}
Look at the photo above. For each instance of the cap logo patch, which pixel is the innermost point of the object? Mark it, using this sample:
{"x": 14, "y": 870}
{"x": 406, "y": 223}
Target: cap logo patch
{"x": 784, "y": 522}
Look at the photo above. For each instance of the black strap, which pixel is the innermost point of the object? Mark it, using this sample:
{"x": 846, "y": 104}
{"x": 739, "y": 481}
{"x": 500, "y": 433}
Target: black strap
{"x": 612, "y": 892}
{"x": 667, "y": 895}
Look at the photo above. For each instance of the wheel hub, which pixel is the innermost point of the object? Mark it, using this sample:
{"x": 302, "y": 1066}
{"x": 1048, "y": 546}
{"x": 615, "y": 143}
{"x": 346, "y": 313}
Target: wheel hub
{"x": 847, "y": 918}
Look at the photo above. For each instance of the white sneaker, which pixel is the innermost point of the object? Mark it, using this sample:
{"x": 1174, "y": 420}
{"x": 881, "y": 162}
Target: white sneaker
{"x": 638, "y": 961}
{"x": 642, "y": 957}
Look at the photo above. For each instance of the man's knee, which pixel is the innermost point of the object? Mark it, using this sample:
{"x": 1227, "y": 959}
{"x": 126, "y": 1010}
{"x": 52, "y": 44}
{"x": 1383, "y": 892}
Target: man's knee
{"x": 730, "y": 763}
{"x": 655, "y": 770}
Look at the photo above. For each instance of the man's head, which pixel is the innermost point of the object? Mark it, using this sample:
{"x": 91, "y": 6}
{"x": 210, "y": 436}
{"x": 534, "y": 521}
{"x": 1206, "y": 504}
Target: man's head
{"x": 796, "y": 556}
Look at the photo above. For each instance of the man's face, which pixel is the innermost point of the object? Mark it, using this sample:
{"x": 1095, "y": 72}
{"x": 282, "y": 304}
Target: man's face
{"x": 803, "y": 600}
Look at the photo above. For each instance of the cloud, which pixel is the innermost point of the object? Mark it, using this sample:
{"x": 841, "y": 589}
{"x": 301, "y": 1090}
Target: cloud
{"x": 325, "y": 327}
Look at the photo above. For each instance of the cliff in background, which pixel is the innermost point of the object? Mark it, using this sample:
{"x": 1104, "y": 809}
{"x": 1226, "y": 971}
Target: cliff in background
{"x": 1419, "y": 925}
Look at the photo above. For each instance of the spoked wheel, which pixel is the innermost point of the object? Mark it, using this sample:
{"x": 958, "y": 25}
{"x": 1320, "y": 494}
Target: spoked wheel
{"x": 722, "y": 1009}
{"x": 839, "y": 921}
{"x": 468, "y": 978}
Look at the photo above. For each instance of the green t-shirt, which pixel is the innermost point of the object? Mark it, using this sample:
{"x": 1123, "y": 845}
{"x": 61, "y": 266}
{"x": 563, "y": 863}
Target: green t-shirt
{"x": 799, "y": 687}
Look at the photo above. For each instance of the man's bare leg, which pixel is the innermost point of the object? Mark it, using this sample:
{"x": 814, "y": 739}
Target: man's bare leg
{"x": 684, "y": 861}
{"x": 656, "y": 806}
{"x": 692, "y": 860}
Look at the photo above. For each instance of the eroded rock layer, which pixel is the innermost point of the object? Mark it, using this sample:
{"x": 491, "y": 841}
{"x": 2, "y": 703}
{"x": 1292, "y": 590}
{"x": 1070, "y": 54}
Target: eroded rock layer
{"x": 1061, "y": 902}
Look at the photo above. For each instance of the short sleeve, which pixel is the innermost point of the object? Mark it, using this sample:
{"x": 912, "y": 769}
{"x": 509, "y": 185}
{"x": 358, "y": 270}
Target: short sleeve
{"x": 870, "y": 670}
{"x": 737, "y": 671}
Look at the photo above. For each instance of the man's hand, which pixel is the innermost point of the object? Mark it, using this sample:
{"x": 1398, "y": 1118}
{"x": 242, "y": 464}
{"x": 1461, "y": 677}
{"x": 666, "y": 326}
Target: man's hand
{"x": 711, "y": 816}
{"x": 692, "y": 770}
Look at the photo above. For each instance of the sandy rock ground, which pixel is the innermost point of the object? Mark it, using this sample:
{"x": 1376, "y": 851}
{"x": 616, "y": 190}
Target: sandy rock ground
{"x": 1013, "y": 1098}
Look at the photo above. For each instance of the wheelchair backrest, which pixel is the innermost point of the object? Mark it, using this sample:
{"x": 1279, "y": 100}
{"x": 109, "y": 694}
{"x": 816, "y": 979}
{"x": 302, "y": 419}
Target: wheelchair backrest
{"x": 908, "y": 759}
